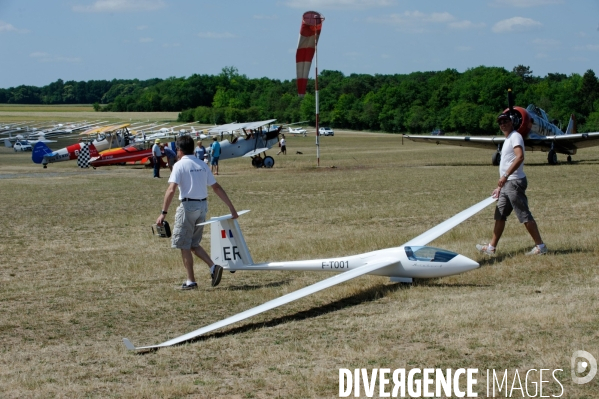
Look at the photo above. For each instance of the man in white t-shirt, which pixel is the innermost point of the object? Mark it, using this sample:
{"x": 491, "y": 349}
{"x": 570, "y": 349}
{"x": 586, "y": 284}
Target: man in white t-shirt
{"x": 283, "y": 144}
{"x": 511, "y": 190}
{"x": 192, "y": 176}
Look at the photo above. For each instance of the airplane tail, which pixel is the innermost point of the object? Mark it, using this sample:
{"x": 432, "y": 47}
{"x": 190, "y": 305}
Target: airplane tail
{"x": 571, "y": 125}
{"x": 227, "y": 245}
{"x": 39, "y": 150}
{"x": 87, "y": 152}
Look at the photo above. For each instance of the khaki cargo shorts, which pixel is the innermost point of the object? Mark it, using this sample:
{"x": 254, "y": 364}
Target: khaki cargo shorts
{"x": 513, "y": 198}
{"x": 186, "y": 233}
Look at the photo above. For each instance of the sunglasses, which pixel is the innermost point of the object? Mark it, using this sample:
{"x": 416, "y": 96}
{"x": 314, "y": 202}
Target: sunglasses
{"x": 504, "y": 121}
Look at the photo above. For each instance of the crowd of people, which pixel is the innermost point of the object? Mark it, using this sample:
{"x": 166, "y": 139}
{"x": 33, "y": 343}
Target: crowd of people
{"x": 160, "y": 150}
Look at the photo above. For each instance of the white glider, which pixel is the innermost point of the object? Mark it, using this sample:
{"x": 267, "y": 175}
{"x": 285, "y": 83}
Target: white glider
{"x": 411, "y": 260}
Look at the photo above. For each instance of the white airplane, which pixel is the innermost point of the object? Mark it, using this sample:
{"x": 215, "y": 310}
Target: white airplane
{"x": 297, "y": 130}
{"x": 162, "y": 133}
{"x": 258, "y": 137}
{"x": 411, "y": 260}
{"x": 21, "y": 142}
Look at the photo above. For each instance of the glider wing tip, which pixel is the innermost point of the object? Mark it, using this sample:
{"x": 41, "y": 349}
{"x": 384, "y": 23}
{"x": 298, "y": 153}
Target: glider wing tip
{"x": 128, "y": 344}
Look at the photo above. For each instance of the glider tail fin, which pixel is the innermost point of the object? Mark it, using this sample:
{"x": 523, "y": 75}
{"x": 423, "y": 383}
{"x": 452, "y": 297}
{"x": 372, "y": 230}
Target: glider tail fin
{"x": 571, "y": 125}
{"x": 227, "y": 245}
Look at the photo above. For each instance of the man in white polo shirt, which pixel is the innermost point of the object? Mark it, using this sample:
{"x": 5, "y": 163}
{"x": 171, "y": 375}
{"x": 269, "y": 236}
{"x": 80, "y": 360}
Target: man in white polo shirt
{"x": 192, "y": 176}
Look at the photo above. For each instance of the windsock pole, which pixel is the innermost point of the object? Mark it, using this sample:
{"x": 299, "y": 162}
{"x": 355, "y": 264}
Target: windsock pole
{"x": 316, "y": 97}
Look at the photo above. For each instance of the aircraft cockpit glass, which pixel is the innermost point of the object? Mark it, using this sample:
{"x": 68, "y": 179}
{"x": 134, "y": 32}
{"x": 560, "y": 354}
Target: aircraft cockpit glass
{"x": 429, "y": 254}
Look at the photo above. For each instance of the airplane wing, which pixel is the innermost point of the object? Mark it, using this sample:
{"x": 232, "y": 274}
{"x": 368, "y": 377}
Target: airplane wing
{"x": 311, "y": 289}
{"x": 243, "y": 125}
{"x": 255, "y": 152}
{"x": 449, "y": 224}
{"x": 461, "y": 141}
{"x": 41, "y": 141}
{"x": 575, "y": 141}
{"x": 371, "y": 266}
{"x": 567, "y": 142}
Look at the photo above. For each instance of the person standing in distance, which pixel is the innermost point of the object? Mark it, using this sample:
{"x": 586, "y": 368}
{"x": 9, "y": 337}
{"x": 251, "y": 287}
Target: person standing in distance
{"x": 171, "y": 156}
{"x": 215, "y": 154}
{"x": 192, "y": 176}
{"x": 511, "y": 190}
{"x": 200, "y": 151}
{"x": 156, "y": 157}
{"x": 283, "y": 143}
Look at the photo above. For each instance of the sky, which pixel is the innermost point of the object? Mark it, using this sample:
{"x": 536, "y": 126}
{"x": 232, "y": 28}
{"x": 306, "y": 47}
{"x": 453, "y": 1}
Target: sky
{"x": 45, "y": 40}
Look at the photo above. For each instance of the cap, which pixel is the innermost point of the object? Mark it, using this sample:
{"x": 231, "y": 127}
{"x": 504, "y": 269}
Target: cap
{"x": 503, "y": 116}
{"x": 157, "y": 141}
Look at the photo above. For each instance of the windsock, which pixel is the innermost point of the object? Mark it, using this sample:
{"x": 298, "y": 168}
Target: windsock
{"x": 309, "y": 34}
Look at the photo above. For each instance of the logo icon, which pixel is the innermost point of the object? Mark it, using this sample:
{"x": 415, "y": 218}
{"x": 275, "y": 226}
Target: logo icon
{"x": 583, "y": 362}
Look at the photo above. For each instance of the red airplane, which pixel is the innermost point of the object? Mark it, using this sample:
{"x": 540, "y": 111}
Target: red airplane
{"x": 124, "y": 155}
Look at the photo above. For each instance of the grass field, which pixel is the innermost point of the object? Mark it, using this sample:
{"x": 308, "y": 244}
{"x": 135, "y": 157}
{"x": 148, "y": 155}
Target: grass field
{"x": 71, "y": 113}
{"x": 79, "y": 270}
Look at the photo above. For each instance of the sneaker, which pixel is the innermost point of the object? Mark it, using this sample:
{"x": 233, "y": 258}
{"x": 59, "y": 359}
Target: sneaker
{"x": 189, "y": 286}
{"x": 537, "y": 251}
{"x": 216, "y": 276}
{"x": 484, "y": 249}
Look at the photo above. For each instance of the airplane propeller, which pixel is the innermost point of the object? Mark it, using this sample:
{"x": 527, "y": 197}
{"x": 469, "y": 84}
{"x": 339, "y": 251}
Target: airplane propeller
{"x": 514, "y": 115}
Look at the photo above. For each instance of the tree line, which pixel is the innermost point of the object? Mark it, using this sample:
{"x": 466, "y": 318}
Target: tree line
{"x": 467, "y": 102}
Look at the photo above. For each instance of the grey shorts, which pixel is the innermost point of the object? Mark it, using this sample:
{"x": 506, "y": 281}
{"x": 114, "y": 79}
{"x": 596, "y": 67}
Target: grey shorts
{"x": 186, "y": 233}
{"x": 513, "y": 198}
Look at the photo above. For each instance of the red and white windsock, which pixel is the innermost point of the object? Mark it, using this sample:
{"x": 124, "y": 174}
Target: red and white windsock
{"x": 309, "y": 34}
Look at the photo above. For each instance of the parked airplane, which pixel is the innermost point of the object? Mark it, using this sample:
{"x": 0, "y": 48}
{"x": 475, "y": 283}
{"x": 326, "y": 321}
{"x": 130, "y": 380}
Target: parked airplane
{"x": 297, "y": 130}
{"x": 107, "y": 137}
{"x": 411, "y": 260}
{"x": 21, "y": 142}
{"x": 258, "y": 138}
{"x": 538, "y": 132}
{"x": 128, "y": 154}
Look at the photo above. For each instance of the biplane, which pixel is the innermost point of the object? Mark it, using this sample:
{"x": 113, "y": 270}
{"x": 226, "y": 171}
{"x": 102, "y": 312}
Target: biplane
{"x": 256, "y": 139}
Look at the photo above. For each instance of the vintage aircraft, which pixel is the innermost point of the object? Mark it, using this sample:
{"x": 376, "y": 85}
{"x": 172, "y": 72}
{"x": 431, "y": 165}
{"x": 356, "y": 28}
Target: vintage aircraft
{"x": 411, "y": 260}
{"x": 538, "y": 132}
{"x": 115, "y": 156}
{"x": 106, "y": 137}
{"x": 124, "y": 155}
{"x": 258, "y": 137}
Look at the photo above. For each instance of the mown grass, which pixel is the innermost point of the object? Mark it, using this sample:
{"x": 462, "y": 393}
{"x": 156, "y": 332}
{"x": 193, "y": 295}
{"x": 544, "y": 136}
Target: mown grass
{"x": 74, "y": 112}
{"x": 80, "y": 271}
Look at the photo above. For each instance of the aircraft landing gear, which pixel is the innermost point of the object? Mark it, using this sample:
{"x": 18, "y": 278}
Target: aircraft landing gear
{"x": 552, "y": 157}
{"x": 257, "y": 162}
{"x": 496, "y": 159}
{"x": 569, "y": 159}
{"x": 268, "y": 162}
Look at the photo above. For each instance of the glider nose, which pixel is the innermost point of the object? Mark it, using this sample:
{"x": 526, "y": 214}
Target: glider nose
{"x": 464, "y": 264}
